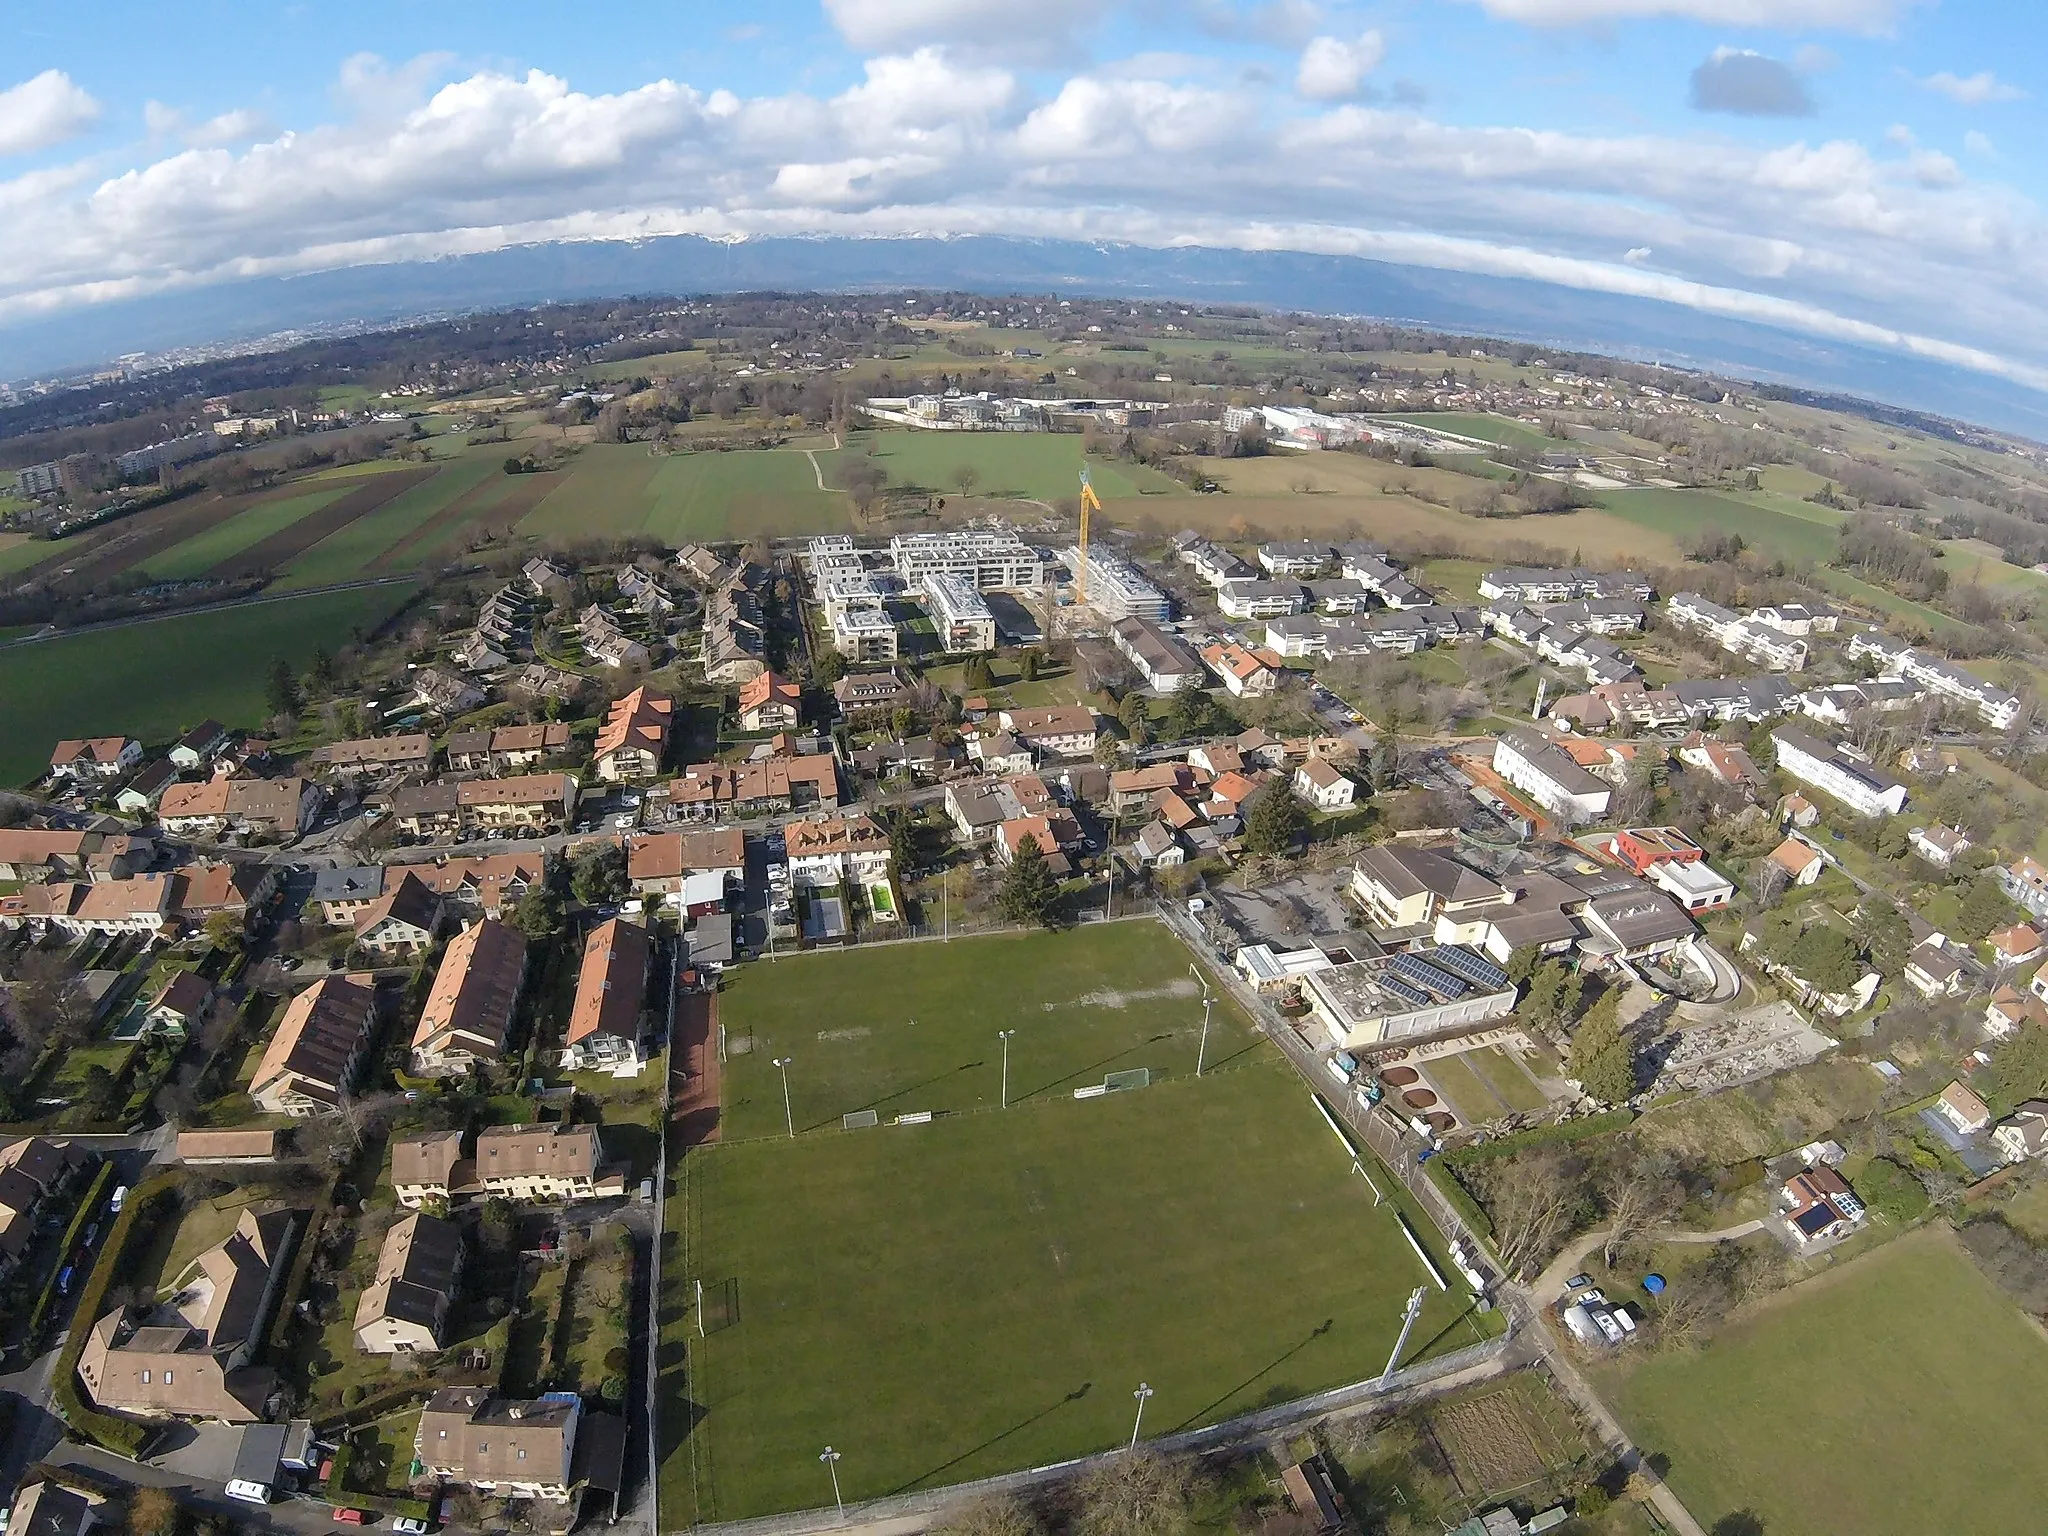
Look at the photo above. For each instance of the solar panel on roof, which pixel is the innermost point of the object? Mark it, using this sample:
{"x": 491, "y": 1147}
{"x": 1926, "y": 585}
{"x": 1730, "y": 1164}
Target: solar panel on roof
{"x": 1401, "y": 989}
{"x": 1423, "y": 974}
{"x": 1462, "y": 962}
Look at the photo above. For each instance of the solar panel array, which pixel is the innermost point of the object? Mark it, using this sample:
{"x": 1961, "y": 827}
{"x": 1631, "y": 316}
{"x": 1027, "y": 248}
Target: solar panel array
{"x": 1419, "y": 971}
{"x": 1462, "y": 962}
{"x": 1401, "y": 989}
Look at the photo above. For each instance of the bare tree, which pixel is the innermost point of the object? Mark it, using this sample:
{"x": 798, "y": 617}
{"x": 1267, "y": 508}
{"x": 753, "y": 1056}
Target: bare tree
{"x": 966, "y": 477}
{"x": 1533, "y": 1200}
{"x": 1637, "y": 1192}
{"x": 996, "y": 1515}
{"x": 1140, "y": 1493}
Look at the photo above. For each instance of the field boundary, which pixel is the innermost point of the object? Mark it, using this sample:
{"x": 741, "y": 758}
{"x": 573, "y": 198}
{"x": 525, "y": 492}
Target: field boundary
{"x": 1461, "y": 1368}
{"x": 252, "y": 601}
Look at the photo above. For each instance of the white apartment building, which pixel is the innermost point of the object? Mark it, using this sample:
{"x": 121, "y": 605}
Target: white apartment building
{"x": 991, "y": 559}
{"x": 864, "y": 634}
{"x": 1774, "y": 649}
{"x": 1688, "y": 610}
{"x": 1858, "y": 783}
{"x": 963, "y": 618}
{"x": 1547, "y": 774}
{"x": 1939, "y": 676}
{"x": 1117, "y": 589}
{"x": 1261, "y": 599}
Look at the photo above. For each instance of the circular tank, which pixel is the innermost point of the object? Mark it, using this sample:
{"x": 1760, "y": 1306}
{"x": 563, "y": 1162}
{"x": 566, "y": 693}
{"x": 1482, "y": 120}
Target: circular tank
{"x": 1418, "y": 1098}
{"x": 1440, "y": 1122}
{"x": 1399, "y": 1077}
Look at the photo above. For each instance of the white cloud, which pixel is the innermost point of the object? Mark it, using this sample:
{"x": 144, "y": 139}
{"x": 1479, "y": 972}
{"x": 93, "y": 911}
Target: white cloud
{"x": 1335, "y": 70}
{"x": 1636, "y": 254}
{"x": 1980, "y": 144}
{"x": 1867, "y": 16}
{"x": 1972, "y": 90}
{"x": 1101, "y": 120}
{"x": 44, "y": 110}
{"x": 236, "y": 127}
{"x": 1900, "y": 135}
{"x": 1040, "y": 32}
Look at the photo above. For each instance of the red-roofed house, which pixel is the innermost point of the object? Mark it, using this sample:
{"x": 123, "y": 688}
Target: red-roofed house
{"x": 96, "y": 759}
{"x": 634, "y": 737}
{"x": 769, "y": 703}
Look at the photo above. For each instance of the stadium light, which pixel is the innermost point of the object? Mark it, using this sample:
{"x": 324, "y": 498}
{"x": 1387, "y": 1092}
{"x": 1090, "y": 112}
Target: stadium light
{"x": 1202, "y": 1050}
{"x": 1004, "y": 1036}
{"x": 1141, "y": 1394}
{"x": 788, "y": 1115}
{"x": 831, "y": 1460}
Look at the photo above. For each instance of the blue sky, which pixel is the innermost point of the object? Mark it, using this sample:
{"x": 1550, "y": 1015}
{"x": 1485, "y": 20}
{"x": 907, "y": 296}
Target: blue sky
{"x": 1859, "y": 169}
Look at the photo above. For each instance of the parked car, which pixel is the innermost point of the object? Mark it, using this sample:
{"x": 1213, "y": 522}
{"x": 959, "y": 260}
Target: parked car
{"x": 120, "y": 1199}
{"x": 409, "y": 1525}
{"x": 64, "y": 1280}
{"x": 351, "y": 1517}
{"x": 1578, "y": 1282}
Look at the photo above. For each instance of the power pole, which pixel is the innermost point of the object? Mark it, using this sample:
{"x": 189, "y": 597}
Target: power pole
{"x": 1407, "y": 1327}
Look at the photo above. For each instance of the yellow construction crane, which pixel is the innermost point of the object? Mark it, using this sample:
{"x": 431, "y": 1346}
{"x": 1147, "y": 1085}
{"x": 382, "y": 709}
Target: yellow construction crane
{"x": 1090, "y": 502}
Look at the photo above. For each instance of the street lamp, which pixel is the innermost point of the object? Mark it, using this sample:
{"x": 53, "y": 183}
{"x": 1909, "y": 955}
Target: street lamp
{"x": 831, "y": 1460}
{"x": 1202, "y": 1050}
{"x": 1004, "y": 1036}
{"x": 1141, "y": 1394}
{"x": 788, "y": 1115}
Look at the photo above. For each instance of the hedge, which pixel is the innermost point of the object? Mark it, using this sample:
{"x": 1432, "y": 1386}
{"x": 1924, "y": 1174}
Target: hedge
{"x": 1561, "y": 1133}
{"x": 40, "y": 1315}
{"x": 1452, "y": 1188}
{"x": 302, "y": 1264}
{"x": 124, "y": 1437}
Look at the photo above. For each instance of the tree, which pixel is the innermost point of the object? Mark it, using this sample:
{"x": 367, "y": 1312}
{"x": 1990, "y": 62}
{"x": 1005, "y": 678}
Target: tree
{"x": 599, "y": 878}
{"x": 1028, "y": 664}
{"x": 1384, "y": 770}
{"x": 152, "y": 1512}
{"x": 1884, "y": 933}
{"x": 1273, "y": 820}
{"x": 1134, "y": 714}
{"x": 1603, "y": 1057}
{"x": 320, "y": 672}
{"x": 977, "y": 674}
{"x": 541, "y": 913}
{"x": 827, "y": 666}
{"x": 50, "y": 1001}
{"x": 904, "y": 851}
{"x": 1553, "y": 994}
{"x": 966, "y": 477}
{"x": 224, "y": 930}
{"x": 1030, "y": 894}
{"x": 902, "y": 721}
{"x": 1190, "y": 712}
{"x": 1826, "y": 957}
{"x": 102, "y": 1092}
{"x": 1140, "y": 1493}
{"x": 997, "y": 1515}
{"x": 282, "y": 691}
{"x": 1533, "y": 1199}
{"x": 1636, "y": 1190}
{"x": 1983, "y": 909}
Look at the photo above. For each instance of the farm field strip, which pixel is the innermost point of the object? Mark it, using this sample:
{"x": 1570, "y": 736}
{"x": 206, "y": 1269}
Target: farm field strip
{"x": 482, "y": 498}
{"x": 348, "y": 551}
{"x": 1044, "y": 466}
{"x": 202, "y": 552}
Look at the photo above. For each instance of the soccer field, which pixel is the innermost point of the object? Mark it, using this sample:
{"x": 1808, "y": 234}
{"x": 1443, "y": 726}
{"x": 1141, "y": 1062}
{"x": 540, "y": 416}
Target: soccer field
{"x": 948, "y": 1300}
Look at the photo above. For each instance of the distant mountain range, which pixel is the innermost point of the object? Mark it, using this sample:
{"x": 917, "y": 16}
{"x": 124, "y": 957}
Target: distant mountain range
{"x": 1510, "y": 308}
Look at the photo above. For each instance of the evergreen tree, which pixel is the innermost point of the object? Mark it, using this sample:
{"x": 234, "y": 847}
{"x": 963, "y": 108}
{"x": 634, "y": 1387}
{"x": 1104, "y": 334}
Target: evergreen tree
{"x": 1273, "y": 819}
{"x": 977, "y": 675}
{"x": 827, "y": 667}
{"x": 320, "y": 672}
{"x": 1027, "y": 666}
{"x": 599, "y": 878}
{"x": 1385, "y": 767}
{"x": 1134, "y": 713}
{"x": 904, "y": 842}
{"x": 1884, "y": 934}
{"x": 1602, "y": 1056}
{"x": 283, "y": 689}
{"x": 542, "y": 913}
{"x": 1983, "y": 909}
{"x": 1826, "y": 957}
{"x": 1553, "y": 994}
{"x": 1029, "y": 894}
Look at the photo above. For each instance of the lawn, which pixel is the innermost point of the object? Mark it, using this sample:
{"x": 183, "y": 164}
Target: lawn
{"x": 1505, "y": 1077}
{"x": 154, "y": 679}
{"x": 1856, "y": 1402}
{"x": 949, "y": 1300}
{"x": 18, "y": 552}
{"x": 202, "y": 552}
{"x": 1043, "y": 466}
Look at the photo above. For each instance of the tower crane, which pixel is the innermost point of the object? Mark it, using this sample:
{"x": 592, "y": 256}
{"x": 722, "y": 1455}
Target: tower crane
{"x": 1090, "y": 502}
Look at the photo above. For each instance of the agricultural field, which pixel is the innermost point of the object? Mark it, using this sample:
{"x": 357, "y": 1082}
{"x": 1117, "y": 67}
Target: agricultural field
{"x": 1033, "y": 466}
{"x": 946, "y": 1300}
{"x": 1859, "y": 1401}
{"x": 202, "y": 552}
{"x": 1490, "y": 429}
{"x": 610, "y": 490}
{"x": 357, "y": 546}
{"x": 154, "y": 678}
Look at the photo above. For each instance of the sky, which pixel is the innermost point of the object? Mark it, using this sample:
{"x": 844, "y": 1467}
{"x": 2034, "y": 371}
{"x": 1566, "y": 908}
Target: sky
{"x": 1852, "y": 169}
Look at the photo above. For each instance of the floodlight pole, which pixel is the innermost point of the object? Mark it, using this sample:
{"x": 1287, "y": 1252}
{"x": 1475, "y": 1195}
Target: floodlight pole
{"x": 788, "y": 1114}
{"x": 700, "y": 1309}
{"x": 1202, "y": 1050}
{"x": 831, "y": 1460}
{"x": 1407, "y": 1327}
{"x": 1143, "y": 1392}
{"x": 1004, "y": 1036}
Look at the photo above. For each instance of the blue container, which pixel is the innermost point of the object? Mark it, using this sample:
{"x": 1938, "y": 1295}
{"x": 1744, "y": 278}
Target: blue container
{"x": 1654, "y": 1284}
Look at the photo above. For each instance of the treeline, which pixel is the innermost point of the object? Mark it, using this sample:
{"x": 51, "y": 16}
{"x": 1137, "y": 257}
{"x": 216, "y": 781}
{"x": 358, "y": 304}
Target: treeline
{"x": 1880, "y": 552}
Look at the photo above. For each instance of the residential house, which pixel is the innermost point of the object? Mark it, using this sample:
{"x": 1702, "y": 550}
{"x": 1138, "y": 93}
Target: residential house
{"x": 468, "y": 1011}
{"x": 2022, "y": 1136}
{"x": 1261, "y": 599}
{"x": 1053, "y": 834}
{"x": 404, "y": 1309}
{"x": 998, "y": 752}
{"x": 1798, "y": 618}
{"x": 31, "y": 854}
{"x": 544, "y": 576}
{"x": 1158, "y": 846}
{"x": 432, "y": 811}
{"x": 1801, "y": 862}
{"x": 2025, "y": 882}
{"x": 2017, "y": 944}
{"x": 1962, "y": 1109}
{"x": 1934, "y": 969}
{"x": 402, "y": 921}
{"x": 1244, "y": 673}
{"x": 1838, "y": 771}
{"x": 501, "y": 1447}
{"x": 1938, "y": 845}
{"x": 253, "y": 807}
{"x": 139, "y": 796}
{"x": 200, "y": 745}
{"x": 606, "y": 643}
{"x": 378, "y": 757}
{"x": 45, "y": 1507}
{"x": 198, "y": 1363}
{"x": 692, "y": 870}
{"x": 1547, "y": 774}
{"x": 823, "y": 854}
{"x": 201, "y": 891}
{"x": 860, "y": 691}
{"x": 1060, "y": 730}
{"x": 551, "y": 1162}
{"x": 1798, "y": 811}
{"x": 443, "y": 692}
{"x": 1130, "y": 788}
{"x": 770, "y": 703}
{"x": 735, "y": 641}
{"x": 611, "y": 993}
{"x": 976, "y": 810}
{"x": 516, "y": 747}
{"x": 178, "y": 1006}
{"x": 432, "y": 1168}
{"x": 543, "y": 801}
{"x": 538, "y": 681}
{"x": 1728, "y": 765}
{"x": 1319, "y": 782}
{"x": 1294, "y": 557}
{"x": 763, "y": 787}
{"x": 141, "y": 904}
{"x": 35, "y": 1172}
{"x": 634, "y": 738}
{"x": 311, "y": 1062}
{"x": 1819, "y": 1205}
{"x": 98, "y": 759}
{"x": 490, "y": 886}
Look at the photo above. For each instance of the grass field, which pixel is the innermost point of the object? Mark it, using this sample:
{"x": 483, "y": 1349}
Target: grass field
{"x": 155, "y": 679}
{"x": 612, "y": 489}
{"x": 1044, "y": 466}
{"x": 1862, "y": 1401}
{"x": 984, "y": 1292}
{"x": 348, "y": 552}
{"x": 201, "y": 553}
{"x": 18, "y": 552}
{"x": 1490, "y": 429}
{"x": 1776, "y": 532}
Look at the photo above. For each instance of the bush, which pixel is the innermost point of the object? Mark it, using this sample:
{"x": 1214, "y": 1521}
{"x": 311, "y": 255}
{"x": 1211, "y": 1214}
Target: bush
{"x": 39, "y": 1317}
{"x": 1891, "y": 1191}
{"x": 615, "y": 1360}
{"x": 353, "y": 1396}
{"x": 613, "y": 1390}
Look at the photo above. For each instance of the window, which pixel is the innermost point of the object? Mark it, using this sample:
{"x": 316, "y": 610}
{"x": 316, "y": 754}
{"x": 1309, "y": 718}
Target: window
{"x": 482, "y": 1447}
{"x": 145, "y": 1377}
{"x": 167, "y": 1376}
{"x": 522, "y": 1454}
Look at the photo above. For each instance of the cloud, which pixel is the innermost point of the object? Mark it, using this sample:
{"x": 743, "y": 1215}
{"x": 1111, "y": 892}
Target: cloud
{"x": 1972, "y": 90}
{"x": 236, "y": 127}
{"x": 1636, "y": 254}
{"x": 1285, "y": 23}
{"x": 1750, "y": 85}
{"x": 1980, "y": 144}
{"x": 1865, "y": 16}
{"x": 1042, "y": 32}
{"x": 1334, "y": 70}
{"x": 44, "y": 110}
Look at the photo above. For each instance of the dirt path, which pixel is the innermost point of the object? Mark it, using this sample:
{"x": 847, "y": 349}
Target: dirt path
{"x": 695, "y": 1053}
{"x": 1550, "y": 1284}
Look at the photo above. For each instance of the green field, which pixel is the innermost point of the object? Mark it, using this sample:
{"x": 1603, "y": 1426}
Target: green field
{"x": 1863, "y": 1401}
{"x": 154, "y": 679}
{"x": 18, "y": 552}
{"x": 1776, "y": 532}
{"x": 1488, "y": 429}
{"x": 348, "y": 552}
{"x": 945, "y": 1301}
{"x": 202, "y": 552}
{"x": 1043, "y": 466}
{"x": 608, "y": 490}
